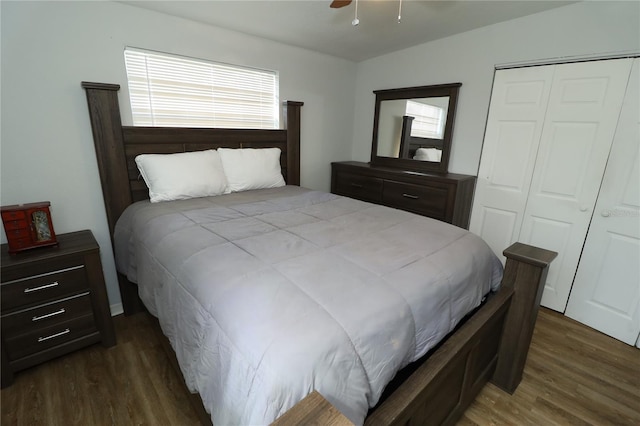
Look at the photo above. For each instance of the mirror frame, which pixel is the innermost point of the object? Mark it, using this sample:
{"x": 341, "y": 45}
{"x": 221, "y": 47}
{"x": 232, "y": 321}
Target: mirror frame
{"x": 409, "y": 164}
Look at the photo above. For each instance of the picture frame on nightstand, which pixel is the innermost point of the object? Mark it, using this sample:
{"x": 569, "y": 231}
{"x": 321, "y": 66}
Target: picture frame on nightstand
{"x": 28, "y": 226}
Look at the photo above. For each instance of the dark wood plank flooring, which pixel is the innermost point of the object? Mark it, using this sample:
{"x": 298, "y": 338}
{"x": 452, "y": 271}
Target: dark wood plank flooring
{"x": 574, "y": 376}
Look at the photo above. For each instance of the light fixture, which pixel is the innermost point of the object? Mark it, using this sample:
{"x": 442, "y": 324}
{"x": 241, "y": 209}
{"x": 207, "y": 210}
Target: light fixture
{"x": 356, "y": 21}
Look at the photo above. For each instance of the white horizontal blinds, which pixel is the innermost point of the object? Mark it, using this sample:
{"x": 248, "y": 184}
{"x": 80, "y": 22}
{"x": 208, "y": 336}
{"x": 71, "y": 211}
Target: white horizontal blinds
{"x": 428, "y": 120}
{"x": 167, "y": 90}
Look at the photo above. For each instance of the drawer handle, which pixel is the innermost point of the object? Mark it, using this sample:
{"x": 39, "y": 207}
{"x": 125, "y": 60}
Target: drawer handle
{"x": 413, "y": 197}
{"x": 53, "y": 336}
{"x": 356, "y": 185}
{"x": 52, "y": 314}
{"x": 42, "y": 287}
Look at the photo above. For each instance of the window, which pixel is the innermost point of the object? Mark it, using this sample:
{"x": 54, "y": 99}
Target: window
{"x": 175, "y": 91}
{"x": 429, "y": 120}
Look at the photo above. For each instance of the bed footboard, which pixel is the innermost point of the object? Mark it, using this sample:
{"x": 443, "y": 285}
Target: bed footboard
{"x": 493, "y": 344}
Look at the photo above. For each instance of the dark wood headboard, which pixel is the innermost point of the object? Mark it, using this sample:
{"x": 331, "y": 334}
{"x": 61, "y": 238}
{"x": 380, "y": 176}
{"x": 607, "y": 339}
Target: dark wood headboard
{"x": 117, "y": 146}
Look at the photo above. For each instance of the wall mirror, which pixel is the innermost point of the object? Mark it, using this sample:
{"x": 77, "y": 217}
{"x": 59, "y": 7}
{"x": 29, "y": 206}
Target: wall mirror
{"x": 413, "y": 126}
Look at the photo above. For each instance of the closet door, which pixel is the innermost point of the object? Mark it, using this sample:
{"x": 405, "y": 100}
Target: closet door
{"x": 516, "y": 117}
{"x": 580, "y": 123}
{"x": 606, "y": 290}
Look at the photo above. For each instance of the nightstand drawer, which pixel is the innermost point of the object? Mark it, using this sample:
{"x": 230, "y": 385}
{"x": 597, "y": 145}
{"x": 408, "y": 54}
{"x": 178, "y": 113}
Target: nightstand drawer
{"x": 425, "y": 200}
{"x": 43, "y": 338}
{"x": 43, "y": 287}
{"x": 47, "y": 314}
{"x": 365, "y": 188}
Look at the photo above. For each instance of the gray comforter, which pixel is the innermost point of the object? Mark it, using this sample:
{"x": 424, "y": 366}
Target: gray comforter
{"x": 267, "y": 295}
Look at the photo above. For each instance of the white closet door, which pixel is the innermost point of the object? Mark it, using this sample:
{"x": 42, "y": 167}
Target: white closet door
{"x": 606, "y": 290}
{"x": 580, "y": 123}
{"x": 516, "y": 117}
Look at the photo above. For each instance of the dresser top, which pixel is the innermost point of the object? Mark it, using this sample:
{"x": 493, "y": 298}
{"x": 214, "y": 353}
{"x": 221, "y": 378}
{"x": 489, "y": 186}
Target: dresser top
{"x": 70, "y": 243}
{"x": 394, "y": 170}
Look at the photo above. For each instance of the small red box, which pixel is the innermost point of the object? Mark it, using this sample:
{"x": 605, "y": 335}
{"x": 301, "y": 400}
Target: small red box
{"x": 28, "y": 226}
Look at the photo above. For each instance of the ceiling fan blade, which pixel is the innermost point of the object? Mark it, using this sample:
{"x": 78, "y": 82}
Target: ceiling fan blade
{"x": 336, "y": 4}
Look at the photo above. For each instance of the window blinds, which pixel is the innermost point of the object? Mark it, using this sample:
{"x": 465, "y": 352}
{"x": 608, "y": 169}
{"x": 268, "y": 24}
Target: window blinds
{"x": 429, "y": 120}
{"x": 167, "y": 90}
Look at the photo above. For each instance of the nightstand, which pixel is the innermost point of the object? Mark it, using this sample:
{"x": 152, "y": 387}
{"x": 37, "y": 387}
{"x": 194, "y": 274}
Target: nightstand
{"x": 53, "y": 301}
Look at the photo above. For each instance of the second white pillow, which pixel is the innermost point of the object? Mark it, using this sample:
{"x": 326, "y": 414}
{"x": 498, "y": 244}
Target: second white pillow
{"x": 251, "y": 168}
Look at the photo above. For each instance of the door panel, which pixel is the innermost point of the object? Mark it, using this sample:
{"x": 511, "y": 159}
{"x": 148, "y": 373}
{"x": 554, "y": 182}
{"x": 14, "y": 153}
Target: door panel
{"x": 580, "y": 122}
{"x": 606, "y": 291}
{"x": 516, "y": 115}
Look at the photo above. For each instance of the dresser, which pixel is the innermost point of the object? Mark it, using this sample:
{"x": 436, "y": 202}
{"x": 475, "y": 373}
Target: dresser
{"x": 53, "y": 301}
{"x": 445, "y": 196}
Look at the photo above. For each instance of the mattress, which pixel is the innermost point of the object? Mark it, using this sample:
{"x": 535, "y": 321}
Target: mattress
{"x": 267, "y": 295}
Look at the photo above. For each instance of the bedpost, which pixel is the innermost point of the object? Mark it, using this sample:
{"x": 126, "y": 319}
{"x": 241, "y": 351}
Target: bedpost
{"x": 526, "y": 272}
{"x": 292, "y": 124}
{"x": 106, "y": 125}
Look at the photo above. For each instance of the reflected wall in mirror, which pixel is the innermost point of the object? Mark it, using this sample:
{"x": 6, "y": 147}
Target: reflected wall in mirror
{"x": 413, "y": 126}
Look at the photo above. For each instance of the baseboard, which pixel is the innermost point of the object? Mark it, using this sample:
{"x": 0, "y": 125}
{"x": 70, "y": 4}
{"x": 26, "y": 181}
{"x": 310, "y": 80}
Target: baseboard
{"x": 116, "y": 309}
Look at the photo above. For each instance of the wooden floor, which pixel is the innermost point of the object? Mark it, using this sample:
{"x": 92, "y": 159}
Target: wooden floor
{"x": 574, "y": 376}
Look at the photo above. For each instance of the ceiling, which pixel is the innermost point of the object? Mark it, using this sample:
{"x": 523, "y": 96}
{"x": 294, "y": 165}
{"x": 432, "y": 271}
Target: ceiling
{"x": 311, "y": 24}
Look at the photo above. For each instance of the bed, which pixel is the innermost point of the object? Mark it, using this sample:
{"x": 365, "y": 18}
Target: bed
{"x": 269, "y": 323}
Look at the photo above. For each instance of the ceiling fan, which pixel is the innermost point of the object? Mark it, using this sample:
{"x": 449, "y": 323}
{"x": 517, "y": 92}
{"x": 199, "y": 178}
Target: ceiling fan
{"x": 336, "y": 4}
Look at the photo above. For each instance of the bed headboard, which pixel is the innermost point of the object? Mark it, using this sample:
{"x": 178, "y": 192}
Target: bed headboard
{"x": 117, "y": 146}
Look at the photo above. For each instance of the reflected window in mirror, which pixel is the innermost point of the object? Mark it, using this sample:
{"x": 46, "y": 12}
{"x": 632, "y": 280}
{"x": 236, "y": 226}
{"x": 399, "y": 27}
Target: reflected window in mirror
{"x": 413, "y": 127}
{"x": 429, "y": 116}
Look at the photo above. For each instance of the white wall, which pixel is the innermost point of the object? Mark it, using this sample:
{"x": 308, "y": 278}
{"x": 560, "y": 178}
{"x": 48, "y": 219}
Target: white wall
{"x": 48, "y": 48}
{"x": 581, "y": 29}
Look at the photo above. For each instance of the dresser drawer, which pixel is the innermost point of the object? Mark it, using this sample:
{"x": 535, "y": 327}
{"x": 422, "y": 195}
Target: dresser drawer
{"x": 426, "y": 200}
{"x": 45, "y": 315}
{"x": 365, "y": 188}
{"x": 43, "y": 287}
{"x": 43, "y": 338}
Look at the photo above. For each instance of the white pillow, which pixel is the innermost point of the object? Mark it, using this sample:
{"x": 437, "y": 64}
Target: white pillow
{"x": 183, "y": 175}
{"x": 428, "y": 154}
{"x": 249, "y": 168}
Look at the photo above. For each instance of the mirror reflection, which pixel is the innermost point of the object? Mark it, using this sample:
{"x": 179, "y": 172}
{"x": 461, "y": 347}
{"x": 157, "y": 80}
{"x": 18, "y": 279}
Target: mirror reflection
{"x": 412, "y": 128}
